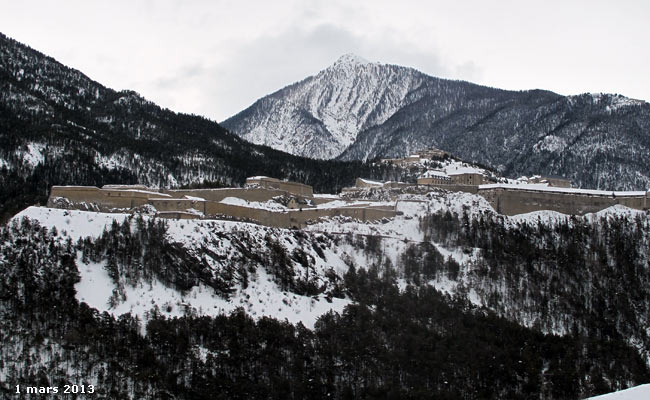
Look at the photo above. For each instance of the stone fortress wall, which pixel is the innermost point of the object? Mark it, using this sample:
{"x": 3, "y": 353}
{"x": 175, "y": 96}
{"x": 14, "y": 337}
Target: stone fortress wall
{"x": 296, "y": 188}
{"x": 108, "y": 197}
{"x": 541, "y": 193}
{"x": 195, "y": 203}
{"x": 512, "y": 200}
{"x": 201, "y": 203}
{"x": 509, "y": 199}
{"x": 300, "y": 217}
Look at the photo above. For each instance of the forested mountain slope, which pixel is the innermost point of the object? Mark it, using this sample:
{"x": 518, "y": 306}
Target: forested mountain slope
{"x": 58, "y": 126}
{"x": 357, "y": 110}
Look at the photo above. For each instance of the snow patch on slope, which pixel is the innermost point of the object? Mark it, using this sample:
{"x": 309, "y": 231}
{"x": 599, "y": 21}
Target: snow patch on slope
{"x": 74, "y": 224}
{"x": 641, "y": 392}
{"x": 551, "y": 144}
{"x": 34, "y": 154}
{"x": 262, "y": 296}
{"x": 266, "y": 205}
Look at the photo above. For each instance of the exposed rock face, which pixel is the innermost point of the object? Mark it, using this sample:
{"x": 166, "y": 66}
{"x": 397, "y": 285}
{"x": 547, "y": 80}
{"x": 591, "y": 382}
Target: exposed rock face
{"x": 323, "y": 115}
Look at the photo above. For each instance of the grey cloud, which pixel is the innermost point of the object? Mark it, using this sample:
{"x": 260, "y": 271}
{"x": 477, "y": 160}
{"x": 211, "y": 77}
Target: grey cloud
{"x": 267, "y": 64}
{"x": 193, "y": 74}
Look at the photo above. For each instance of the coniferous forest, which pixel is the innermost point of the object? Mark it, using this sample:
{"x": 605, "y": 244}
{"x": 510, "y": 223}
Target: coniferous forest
{"x": 389, "y": 343}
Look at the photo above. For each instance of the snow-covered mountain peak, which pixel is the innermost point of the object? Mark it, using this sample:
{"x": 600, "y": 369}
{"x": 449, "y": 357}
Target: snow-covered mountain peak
{"x": 349, "y": 59}
{"x": 322, "y": 115}
{"x": 359, "y": 110}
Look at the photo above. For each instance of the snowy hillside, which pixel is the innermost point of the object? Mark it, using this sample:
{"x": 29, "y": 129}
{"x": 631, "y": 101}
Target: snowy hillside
{"x": 223, "y": 241}
{"x": 339, "y": 298}
{"x": 340, "y": 243}
{"x": 261, "y": 296}
{"x": 636, "y": 393}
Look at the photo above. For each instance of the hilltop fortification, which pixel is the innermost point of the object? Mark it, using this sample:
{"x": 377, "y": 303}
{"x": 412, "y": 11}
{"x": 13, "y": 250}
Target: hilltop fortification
{"x": 276, "y": 203}
{"x": 296, "y": 203}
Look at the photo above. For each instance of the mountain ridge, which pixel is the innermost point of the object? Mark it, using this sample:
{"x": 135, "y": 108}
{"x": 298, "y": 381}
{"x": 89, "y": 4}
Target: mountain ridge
{"x": 60, "y": 127}
{"x": 361, "y": 111}
{"x": 325, "y": 110}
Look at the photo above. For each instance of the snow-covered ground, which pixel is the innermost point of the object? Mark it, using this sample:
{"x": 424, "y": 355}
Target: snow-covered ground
{"x": 450, "y": 167}
{"x": 74, "y": 224}
{"x": 262, "y": 296}
{"x": 551, "y": 217}
{"x": 34, "y": 154}
{"x": 641, "y": 392}
{"x": 270, "y": 205}
{"x": 361, "y": 203}
{"x": 546, "y": 188}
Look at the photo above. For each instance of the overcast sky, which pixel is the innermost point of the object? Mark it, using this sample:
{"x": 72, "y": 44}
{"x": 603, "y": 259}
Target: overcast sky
{"x": 215, "y": 58}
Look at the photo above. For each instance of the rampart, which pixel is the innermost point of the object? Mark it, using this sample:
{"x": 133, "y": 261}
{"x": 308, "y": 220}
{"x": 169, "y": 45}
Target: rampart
{"x": 193, "y": 203}
{"x": 323, "y": 200}
{"x": 170, "y": 205}
{"x": 273, "y": 183}
{"x": 78, "y": 194}
{"x": 176, "y": 215}
{"x": 456, "y": 187}
{"x": 249, "y": 194}
{"x": 185, "y": 204}
{"x": 109, "y": 198}
{"x": 296, "y": 218}
{"x": 519, "y": 200}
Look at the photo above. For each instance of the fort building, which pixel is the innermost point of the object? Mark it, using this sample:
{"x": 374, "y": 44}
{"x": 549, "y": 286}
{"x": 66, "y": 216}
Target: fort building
{"x": 300, "y": 205}
{"x": 434, "y": 177}
{"x": 554, "y": 181}
{"x": 295, "y": 205}
{"x": 367, "y": 183}
{"x": 510, "y": 199}
{"x": 273, "y": 183}
{"x": 468, "y": 177}
{"x": 432, "y": 153}
{"x": 461, "y": 176}
{"x": 427, "y": 154}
